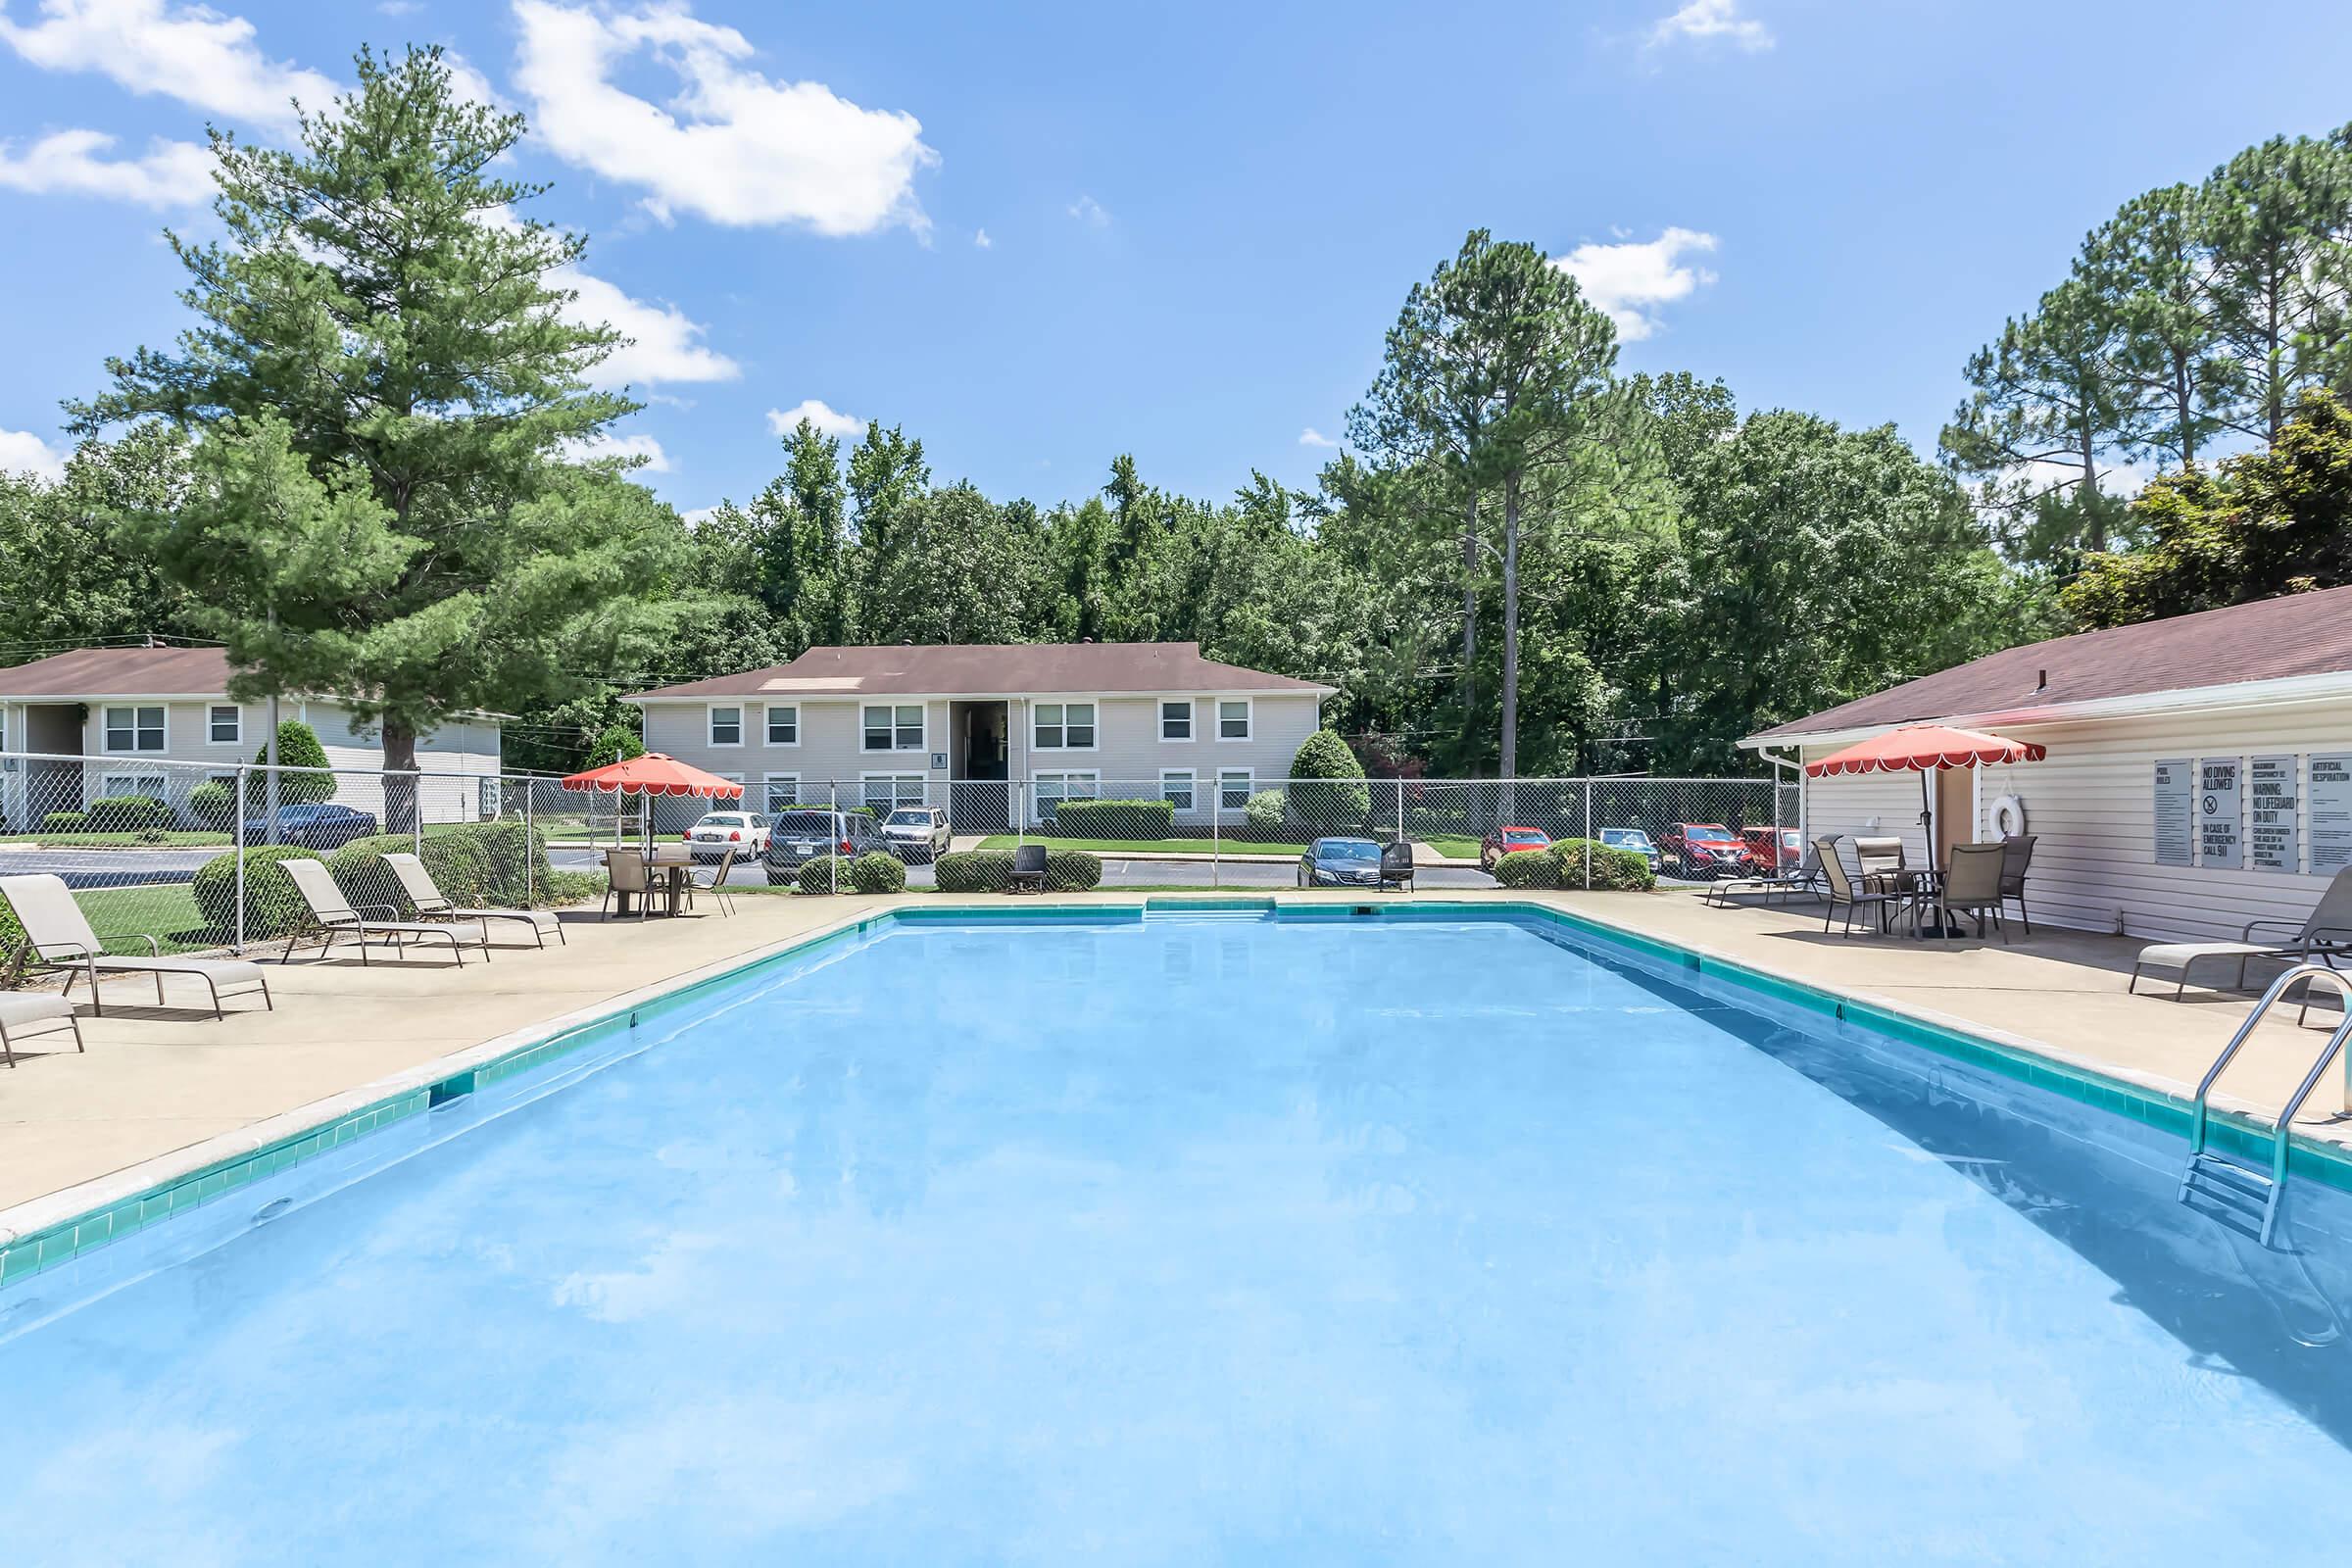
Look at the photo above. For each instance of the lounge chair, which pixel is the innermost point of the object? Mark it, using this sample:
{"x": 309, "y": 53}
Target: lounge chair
{"x": 1029, "y": 867}
{"x": 32, "y": 1009}
{"x": 1971, "y": 886}
{"x": 2325, "y": 935}
{"x": 1806, "y": 878}
{"x": 1843, "y": 895}
{"x": 328, "y": 915}
{"x": 433, "y": 904}
{"x": 1396, "y": 865}
{"x": 2017, "y": 854}
{"x": 59, "y": 935}
{"x": 716, "y": 886}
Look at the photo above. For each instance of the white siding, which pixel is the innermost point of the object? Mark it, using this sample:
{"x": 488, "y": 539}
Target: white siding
{"x": 2092, "y": 809}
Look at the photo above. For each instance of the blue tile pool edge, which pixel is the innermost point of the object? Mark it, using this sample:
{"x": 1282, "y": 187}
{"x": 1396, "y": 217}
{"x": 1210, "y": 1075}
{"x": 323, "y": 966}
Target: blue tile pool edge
{"x": 35, "y": 1251}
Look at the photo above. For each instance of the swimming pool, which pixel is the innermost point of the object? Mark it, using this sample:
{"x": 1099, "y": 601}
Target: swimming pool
{"x": 1206, "y": 1241}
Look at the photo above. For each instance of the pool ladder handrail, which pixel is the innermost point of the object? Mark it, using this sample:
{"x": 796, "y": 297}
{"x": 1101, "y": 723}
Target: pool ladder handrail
{"x": 2276, "y": 1182}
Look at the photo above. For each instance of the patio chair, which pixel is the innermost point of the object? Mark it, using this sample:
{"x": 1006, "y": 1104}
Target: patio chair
{"x": 326, "y": 915}
{"x": 1396, "y": 865}
{"x": 2325, "y": 935}
{"x": 1843, "y": 895}
{"x": 433, "y": 904}
{"x": 716, "y": 886}
{"x": 2017, "y": 854}
{"x": 32, "y": 1009}
{"x": 1971, "y": 886}
{"x": 627, "y": 875}
{"x": 1805, "y": 877}
{"x": 1882, "y": 864}
{"x": 60, "y": 937}
{"x": 1029, "y": 867}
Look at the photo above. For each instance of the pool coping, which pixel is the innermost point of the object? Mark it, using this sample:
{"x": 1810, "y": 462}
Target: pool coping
{"x": 45, "y": 1232}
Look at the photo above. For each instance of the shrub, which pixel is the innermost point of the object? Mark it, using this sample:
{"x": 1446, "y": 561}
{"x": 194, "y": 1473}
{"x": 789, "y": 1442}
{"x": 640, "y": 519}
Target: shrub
{"x": 1071, "y": 870}
{"x": 1265, "y": 812}
{"x": 212, "y": 805}
{"x": 1528, "y": 869}
{"x": 10, "y": 933}
{"x": 1329, "y": 807}
{"x": 1114, "y": 819}
{"x": 974, "y": 871}
{"x": 271, "y": 905}
{"x": 65, "y": 823}
{"x": 127, "y": 814}
{"x": 822, "y": 874}
{"x": 297, "y": 748}
{"x": 877, "y": 873}
{"x": 481, "y": 865}
{"x": 1615, "y": 870}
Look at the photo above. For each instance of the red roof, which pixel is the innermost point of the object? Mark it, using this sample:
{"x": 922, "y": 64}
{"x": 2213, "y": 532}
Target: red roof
{"x": 120, "y": 672}
{"x": 990, "y": 670}
{"x": 2270, "y": 639}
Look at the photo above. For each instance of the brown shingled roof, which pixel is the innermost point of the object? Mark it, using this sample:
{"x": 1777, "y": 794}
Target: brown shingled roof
{"x": 992, "y": 669}
{"x": 2270, "y": 639}
{"x": 120, "y": 672}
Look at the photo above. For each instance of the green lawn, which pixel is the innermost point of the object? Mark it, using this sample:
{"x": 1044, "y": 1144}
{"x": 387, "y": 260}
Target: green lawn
{"x": 124, "y": 916}
{"x": 171, "y": 838}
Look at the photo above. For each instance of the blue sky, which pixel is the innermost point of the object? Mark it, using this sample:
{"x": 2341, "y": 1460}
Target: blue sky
{"x": 1038, "y": 236}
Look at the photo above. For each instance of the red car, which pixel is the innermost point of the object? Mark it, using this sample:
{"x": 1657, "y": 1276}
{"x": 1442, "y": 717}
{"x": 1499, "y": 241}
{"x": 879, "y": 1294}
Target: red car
{"x": 1705, "y": 851}
{"x": 1767, "y": 856}
{"x": 1511, "y": 841}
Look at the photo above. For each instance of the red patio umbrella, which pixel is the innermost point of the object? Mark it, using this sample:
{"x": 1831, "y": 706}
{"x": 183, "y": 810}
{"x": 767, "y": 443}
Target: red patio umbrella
{"x": 654, "y": 773}
{"x": 1925, "y": 748}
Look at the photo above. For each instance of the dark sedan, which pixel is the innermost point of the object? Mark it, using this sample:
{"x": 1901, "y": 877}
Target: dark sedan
{"x": 312, "y": 827}
{"x": 1340, "y": 863}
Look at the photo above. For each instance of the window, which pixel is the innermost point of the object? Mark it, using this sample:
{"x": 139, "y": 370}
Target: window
{"x": 1176, "y": 788}
{"x": 150, "y": 785}
{"x": 1053, "y": 789}
{"x": 1234, "y": 788}
{"x": 783, "y": 724}
{"x": 783, "y": 792}
{"x": 894, "y": 729}
{"x": 1063, "y": 727}
{"x": 225, "y": 724}
{"x": 1233, "y": 719}
{"x": 134, "y": 729}
{"x": 1176, "y": 720}
{"x": 726, "y": 726}
{"x": 885, "y": 791}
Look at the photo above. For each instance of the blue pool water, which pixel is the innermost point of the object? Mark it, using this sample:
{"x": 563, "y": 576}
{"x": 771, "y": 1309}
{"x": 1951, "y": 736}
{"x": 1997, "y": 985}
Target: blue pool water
{"x": 1191, "y": 1243}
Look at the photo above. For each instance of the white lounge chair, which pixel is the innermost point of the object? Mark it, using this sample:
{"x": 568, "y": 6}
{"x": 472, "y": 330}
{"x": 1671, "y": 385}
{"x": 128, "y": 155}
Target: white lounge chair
{"x": 60, "y": 937}
{"x": 2326, "y": 934}
{"x": 433, "y": 904}
{"x": 330, "y": 915}
{"x": 33, "y": 1010}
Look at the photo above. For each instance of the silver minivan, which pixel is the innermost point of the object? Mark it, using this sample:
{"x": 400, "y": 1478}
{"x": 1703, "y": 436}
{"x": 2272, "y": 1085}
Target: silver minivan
{"x": 916, "y": 833}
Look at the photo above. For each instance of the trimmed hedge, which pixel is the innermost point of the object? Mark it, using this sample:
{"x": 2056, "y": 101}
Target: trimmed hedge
{"x": 478, "y": 865}
{"x": 1114, "y": 819}
{"x": 1331, "y": 807}
{"x": 212, "y": 805}
{"x": 824, "y": 873}
{"x": 1070, "y": 871}
{"x": 271, "y": 905}
{"x": 127, "y": 814}
{"x": 1562, "y": 866}
{"x": 973, "y": 871}
{"x": 876, "y": 871}
{"x": 65, "y": 823}
{"x": 1528, "y": 869}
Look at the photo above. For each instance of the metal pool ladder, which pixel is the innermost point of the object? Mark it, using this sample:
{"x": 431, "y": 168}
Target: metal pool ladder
{"x": 2237, "y": 1186}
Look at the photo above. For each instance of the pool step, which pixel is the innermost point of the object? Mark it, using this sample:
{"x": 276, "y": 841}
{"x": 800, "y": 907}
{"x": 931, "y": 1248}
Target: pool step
{"x": 1216, "y": 912}
{"x": 2240, "y": 1196}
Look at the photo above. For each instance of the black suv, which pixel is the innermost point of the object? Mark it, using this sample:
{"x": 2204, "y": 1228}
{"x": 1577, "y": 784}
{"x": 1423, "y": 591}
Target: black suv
{"x": 797, "y": 837}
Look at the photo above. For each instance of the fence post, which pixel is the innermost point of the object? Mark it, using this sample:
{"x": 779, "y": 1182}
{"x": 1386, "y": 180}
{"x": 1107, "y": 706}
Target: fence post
{"x": 415, "y": 815}
{"x": 1588, "y": 832}
{"x": 530, "y": 848}
{"x": 1216, "y": 827}
{"x": 238, "y": 942}
{"x": 1401, "y": 838}
{"x": 833, "y": 850}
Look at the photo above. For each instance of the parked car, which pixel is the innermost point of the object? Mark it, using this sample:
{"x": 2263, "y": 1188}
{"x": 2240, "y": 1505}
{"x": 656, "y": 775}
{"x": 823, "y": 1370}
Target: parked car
{"x": 1634, "y": 841}
{"x": 1704, "y": 852}
{"x": 1505, "y": 841}
{"x": 745, "y": 832}
{"x": 1773, "y": 849}
{"x": 916, "y": 834}
{"x": 795, "y": 838}
{"x": 1340, "y": 863}
{"x": 324, "y": 826}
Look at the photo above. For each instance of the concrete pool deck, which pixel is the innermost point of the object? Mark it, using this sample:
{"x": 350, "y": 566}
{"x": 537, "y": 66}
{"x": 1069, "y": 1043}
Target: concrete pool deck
{"x": 155, "y": 1083}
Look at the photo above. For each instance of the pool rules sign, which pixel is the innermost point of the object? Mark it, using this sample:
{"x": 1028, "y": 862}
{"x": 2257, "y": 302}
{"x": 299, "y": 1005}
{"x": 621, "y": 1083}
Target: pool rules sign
{"x": 2176, "y": 811}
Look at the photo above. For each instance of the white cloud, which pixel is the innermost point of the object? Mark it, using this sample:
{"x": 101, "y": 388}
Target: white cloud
{"x": 667, "y": 344}
{"x": 982, "y": 240}
{"x": 21, "y": 452}
{"x": 1089, "y": 211}
{"x": 1707, "y": 21}
{"x": 1630, "y": 279}
{"x": 828, "y": 422}
{"x": 172, "y": 173}
{"x": 698, "y": 516}
{"x": 189, "y": 52}
{"x": 1312, "y": 437}
{"x": 732, "y": 146}
{"x": 609, "y": 445}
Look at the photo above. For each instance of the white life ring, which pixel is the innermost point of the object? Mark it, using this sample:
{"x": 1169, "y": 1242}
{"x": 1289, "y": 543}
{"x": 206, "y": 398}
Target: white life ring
{"x": 2009, "y": 817}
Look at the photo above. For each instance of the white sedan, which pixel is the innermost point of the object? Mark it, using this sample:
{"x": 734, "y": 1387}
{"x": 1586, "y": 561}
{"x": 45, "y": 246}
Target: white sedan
{"x": 744, "y": 832}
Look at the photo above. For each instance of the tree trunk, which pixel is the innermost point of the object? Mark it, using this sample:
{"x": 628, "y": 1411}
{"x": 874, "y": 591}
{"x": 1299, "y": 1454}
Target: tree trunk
{"x": 1470, "y": 615}
{"x": 2185, "y": 402}
{"x": 1510, "y": 626}
{"x": 2094, "y": 538}
{"x": 400, "y": 794}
